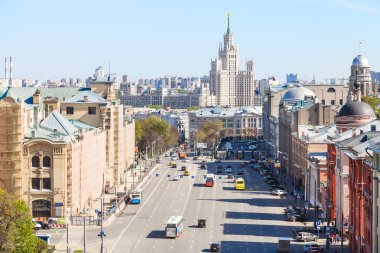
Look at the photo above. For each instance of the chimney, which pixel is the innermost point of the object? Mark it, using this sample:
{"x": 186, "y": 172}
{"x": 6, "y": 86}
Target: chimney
{"x": 6, "y": 68}
{"x": 10, "y": 68}
{"x": 85, "y": 98}
{"x": 36, "y": 97}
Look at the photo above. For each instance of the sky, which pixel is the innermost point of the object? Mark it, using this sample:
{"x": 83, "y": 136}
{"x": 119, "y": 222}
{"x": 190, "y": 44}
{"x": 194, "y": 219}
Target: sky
{"x": 150, "y": 38}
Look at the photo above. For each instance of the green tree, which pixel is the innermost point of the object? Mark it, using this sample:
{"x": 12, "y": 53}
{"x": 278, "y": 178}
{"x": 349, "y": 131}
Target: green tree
{"x": 210, "y": 132}
{"x": 374, "y": 102}
{"x": 157, "y": 132}
{"x": 193, "y": 108}
{"x": 16, "y": 226}
{"x": 157, "y": 107}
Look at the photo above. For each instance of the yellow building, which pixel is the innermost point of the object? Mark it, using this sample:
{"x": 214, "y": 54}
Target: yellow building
{"x": 56, "y": 143}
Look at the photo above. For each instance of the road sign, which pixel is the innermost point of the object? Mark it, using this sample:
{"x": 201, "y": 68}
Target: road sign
{"x": 306, "y": 206}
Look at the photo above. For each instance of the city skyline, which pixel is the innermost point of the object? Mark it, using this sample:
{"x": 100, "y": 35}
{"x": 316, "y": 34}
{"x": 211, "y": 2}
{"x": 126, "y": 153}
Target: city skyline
{"x": 148, "y": 40}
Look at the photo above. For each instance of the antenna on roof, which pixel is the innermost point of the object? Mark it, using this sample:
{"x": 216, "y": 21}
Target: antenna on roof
{"x": 109, "y": 67}
{"x": 360, "y": 47}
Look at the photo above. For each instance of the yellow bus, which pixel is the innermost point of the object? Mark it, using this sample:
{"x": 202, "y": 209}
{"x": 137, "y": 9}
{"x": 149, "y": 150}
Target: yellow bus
{"x": 239, "y": 184}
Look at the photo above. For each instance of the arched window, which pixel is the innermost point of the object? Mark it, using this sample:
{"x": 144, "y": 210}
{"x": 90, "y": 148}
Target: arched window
{"x": 35, "y": 161}
{"x": 46, "y": 161}
{"x": 332, "y": 90}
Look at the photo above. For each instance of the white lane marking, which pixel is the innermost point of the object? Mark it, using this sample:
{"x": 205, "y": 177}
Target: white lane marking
{"x": 134, "y": 217}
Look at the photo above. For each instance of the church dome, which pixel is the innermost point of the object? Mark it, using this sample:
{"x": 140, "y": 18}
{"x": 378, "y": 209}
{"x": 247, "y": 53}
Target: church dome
{"x": 360, "y": 61}
{"x": 356, "y": 108}
{"x": 297, "y": 94}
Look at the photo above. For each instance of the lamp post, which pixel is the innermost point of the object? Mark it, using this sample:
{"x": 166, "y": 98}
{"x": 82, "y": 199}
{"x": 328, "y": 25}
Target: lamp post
{"x": 329, "y": 206}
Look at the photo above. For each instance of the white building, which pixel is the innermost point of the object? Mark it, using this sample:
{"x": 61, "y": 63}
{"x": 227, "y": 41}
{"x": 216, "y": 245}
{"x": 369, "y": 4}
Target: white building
{"x": 231, "y": 86}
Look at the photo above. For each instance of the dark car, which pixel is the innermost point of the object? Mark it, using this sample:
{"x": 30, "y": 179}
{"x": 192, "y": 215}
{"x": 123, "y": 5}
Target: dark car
{"x": 174, "y": 166}
{"x": 240, "y": 172}
{"x": 44, "y": 225}
{"x": 229, "y": 176}
{"x": 218, "y": 171}
{"x": 215, "y": 247}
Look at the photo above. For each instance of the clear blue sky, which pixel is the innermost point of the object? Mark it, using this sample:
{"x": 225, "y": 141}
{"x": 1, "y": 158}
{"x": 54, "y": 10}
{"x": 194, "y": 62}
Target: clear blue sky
{"x": 150, "y": 38}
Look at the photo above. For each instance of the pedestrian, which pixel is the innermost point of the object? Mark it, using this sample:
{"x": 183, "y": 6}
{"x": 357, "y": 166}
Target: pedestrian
{"x": 332, "y": 238}
{"x": 337, "y": 239}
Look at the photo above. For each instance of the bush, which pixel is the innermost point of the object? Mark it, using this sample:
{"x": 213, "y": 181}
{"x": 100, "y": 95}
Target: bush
{"x": 41, "y": 245}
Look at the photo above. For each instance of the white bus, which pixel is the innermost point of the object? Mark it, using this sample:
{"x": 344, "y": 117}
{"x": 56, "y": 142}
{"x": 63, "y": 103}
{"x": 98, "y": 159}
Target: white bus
{"x": 210, "y": 176}
{"x": 136, "y": 196}
{"x": 174, "y": 226}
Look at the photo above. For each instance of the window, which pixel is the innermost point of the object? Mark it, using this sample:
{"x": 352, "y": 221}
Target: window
{"x": 69, "y": 110}
{"x": 92, "y": 110}
{"x": 35, "y": 161}
{"x": 46, "y": 184}
{"x": 332, "y": 102}
{"x": 341, "y": 101}
{"x": 46, "y": 162}
{"x": 36, "y": 184}
{"x": 323, "y": 102}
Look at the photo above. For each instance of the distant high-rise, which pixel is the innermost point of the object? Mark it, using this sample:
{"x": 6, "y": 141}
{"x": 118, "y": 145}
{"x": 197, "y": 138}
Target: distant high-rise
{"x": 230, "y": 86}
{"x": 291, "y": 78}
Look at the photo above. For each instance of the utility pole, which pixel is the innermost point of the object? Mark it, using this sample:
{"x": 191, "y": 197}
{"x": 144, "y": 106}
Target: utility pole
{"x": 84, "y": 228}
{"x": 102, "y": 234}
{"x": 67, "y": 236}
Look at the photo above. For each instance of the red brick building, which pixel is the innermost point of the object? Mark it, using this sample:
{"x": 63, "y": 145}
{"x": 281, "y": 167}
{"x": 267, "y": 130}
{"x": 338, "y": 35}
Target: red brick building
{"x": 331, "y": 179}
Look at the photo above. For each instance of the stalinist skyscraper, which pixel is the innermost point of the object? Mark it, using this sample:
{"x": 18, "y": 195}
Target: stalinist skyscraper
{"x": 230, "y": 86}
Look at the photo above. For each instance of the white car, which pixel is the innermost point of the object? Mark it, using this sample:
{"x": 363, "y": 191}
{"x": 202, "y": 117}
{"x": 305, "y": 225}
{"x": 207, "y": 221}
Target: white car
{"x": 175, "y": 178}
{"x": 279, "y": 192}
{"x": 308, "y": 246}
{"x": 186, "y": 160}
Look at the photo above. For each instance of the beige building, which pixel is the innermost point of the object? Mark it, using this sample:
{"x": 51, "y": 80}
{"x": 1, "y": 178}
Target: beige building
{"x": 55, "y": 161}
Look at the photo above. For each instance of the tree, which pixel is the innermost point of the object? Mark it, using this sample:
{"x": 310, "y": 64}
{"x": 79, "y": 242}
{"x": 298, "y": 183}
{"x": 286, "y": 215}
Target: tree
{"x": 155, "y": 131}
{"x": 193, "y": 108}
{"x": 16, "y": 226}
{"x": 209, "y": 132}
{"x": 374, "y": 102}
{"x": 157, "y": 107}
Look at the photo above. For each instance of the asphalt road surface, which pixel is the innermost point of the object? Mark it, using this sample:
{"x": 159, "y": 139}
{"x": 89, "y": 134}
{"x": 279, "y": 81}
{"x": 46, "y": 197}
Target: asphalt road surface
{"x": 242, "y": 221}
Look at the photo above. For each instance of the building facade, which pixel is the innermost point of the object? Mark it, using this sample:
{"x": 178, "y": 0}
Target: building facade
{"x": 231, "y": 86}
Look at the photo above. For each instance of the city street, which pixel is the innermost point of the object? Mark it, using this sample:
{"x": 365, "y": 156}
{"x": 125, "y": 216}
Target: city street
{"x": 242, "y": 221}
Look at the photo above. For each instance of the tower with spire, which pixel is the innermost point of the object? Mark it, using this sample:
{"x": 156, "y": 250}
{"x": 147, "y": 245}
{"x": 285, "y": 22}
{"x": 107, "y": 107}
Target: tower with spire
{"x": 231, "y": 86}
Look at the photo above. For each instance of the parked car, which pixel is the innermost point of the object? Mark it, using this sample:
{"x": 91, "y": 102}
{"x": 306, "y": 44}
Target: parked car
{"x": 174, "y": 165}
{"x": 37, "y": 226}
{"x": 273, "y": 185}
{"x": 175, "y": 178}
{"x": 279, "y": 192}
{"x": 44, "y": 225}
{"x": 240, "y": 172}
{"x": 218, "y": 161}
{"x": 309, "y": 246}
{"x": 195, "y": 158}
{"x": 183, "y": 168}
{"x": 297, "y": 217}
{"x": 306, "y": 236}
{"x": 166, "y": 155}
{"x": 215, "y": 247}
{"x": 218, "y": 171}
{"x": 230, "y": 176}
{"x": 229, "y": 170}
{"x": 186, "y": 173}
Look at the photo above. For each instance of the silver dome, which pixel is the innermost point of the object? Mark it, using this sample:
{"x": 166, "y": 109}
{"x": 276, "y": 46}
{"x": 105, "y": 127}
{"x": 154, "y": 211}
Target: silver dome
{"x": 297, "y": 94}
{"x": 360, "y": 61}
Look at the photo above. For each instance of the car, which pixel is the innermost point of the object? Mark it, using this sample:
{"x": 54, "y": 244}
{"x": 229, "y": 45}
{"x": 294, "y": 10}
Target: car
{"x": 183, "y": 168}
{"x": 166, "y": 155}
{"x": 252, "y": 161}
{"x": 44, "y": 225}
{"x": 229, "y": 170}
{"x": 195, "y": 158}
{"x": 273, "y": 185}
{"x": 174, "y": 165}
{"x": 186, "y": 160}
{"x": 229, "y": 166}
{"x": 218, "y": 171}
{"x": 306, "y": 236}
{"x": 215, "y": 247}
{"x": 218, "y": 161}
{"x": 37, "y": 226}
{"x": 230, "y": 176}
{"x": 174, "y": 158}
{"x": 240, "y": 172}
{"x": 297, "y": 217}
{"x": 279, "y": 192}
{"x": 309, "y": 246}
{"x": 175, "y": 178}
{"x": 272, "y": 181}
{"x": 186, "y": 173}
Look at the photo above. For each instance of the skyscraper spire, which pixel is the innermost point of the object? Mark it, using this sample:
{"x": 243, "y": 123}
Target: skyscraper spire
{"x": 228, "y": 23}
